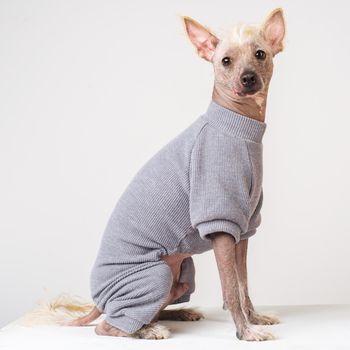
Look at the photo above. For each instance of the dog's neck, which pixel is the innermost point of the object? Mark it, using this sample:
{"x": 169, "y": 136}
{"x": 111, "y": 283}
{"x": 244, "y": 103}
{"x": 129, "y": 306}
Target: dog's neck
{"x": 250, "y": 106}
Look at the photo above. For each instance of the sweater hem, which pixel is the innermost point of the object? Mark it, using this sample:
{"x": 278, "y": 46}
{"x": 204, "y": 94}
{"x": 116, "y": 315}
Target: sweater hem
{"x": 125, "y": 323}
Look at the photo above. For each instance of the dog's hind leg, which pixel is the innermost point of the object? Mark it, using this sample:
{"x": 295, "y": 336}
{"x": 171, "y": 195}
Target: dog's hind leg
{"x": 247, "y": 306}
{"x": 152, "y": 289}
{"x": 152, "y": 330}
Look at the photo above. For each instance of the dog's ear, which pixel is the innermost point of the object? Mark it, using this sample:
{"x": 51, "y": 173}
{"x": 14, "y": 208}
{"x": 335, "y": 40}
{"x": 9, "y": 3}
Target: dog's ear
{"x": 201, "y": 38}
{"x": 274, "y": 30}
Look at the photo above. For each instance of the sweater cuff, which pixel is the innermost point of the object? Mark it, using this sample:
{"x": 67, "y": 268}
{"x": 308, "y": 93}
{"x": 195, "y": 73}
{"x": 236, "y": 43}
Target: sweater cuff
{"x": 208, "y": 227}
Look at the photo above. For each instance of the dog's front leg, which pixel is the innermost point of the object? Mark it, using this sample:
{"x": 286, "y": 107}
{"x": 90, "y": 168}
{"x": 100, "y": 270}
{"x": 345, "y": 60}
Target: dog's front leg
{"x": 247, "y": 306}
{"x": 241, "y": 262}
{"x": 225, "y": 254}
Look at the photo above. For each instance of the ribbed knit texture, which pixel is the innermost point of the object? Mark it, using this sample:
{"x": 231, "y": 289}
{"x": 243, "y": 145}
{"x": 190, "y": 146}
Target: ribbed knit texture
{"x": 207, "y": 179}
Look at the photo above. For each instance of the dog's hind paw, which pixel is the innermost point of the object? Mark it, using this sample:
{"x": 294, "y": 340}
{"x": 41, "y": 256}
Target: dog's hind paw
{"x": 180, "y": 315}
{"x": 152, "y": 331}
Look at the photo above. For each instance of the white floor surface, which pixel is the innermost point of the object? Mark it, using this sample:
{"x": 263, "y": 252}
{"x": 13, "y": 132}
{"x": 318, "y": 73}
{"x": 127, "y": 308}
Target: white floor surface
{"x": 302, "y": 327}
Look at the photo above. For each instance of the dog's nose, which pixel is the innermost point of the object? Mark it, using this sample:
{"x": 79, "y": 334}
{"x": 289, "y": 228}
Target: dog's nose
{"x": 248, "y": 79}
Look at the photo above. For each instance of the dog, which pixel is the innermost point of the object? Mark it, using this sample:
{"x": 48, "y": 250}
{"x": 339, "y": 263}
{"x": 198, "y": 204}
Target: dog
{"x": 202, "y": 191}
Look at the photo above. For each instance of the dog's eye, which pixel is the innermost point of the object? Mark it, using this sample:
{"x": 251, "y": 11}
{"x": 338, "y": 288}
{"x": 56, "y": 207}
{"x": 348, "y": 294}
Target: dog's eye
{"x": 260, "y": 55}
{"x": 226, "y": 61}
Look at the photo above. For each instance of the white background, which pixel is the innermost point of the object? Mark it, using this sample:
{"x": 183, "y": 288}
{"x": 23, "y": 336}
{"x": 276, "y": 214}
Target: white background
{"x": 90, "y": 90}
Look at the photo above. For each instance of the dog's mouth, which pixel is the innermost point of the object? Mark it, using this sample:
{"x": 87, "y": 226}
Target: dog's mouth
{"x": 244, "y": 92}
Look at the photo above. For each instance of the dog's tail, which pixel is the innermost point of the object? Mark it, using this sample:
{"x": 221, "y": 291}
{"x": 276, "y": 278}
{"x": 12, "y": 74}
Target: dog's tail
{"x": 62, "y": 310}
{"x": 85, "y": 320}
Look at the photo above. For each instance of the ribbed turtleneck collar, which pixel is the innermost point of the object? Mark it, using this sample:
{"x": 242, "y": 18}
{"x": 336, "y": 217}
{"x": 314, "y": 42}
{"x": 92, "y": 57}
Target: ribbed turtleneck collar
{"x": 234, "y": 123}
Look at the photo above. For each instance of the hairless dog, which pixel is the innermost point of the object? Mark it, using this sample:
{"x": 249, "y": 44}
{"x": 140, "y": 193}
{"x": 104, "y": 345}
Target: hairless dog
{"x": 202, "y": 191}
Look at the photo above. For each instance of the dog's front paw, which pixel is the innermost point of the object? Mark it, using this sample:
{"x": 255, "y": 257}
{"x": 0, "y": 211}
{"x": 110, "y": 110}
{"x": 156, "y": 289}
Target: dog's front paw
{"x": 255, "y": 318}
{"x": 254, "y": 334}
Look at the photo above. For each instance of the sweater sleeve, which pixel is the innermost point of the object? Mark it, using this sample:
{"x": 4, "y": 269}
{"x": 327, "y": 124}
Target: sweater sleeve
{"x": 254, "y": 220}
{"x": 220, "y": 182}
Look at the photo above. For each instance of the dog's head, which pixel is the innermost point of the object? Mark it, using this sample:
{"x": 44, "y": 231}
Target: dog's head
{"x": 242, "y": 59}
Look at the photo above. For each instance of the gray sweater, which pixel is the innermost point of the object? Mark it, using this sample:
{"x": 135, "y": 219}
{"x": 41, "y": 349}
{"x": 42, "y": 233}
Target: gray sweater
{"x": 207, "y": 179}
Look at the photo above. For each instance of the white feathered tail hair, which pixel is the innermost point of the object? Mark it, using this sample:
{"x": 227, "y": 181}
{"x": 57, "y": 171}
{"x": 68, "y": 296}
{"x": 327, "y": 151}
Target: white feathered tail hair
{"x": 58, "y": 311}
